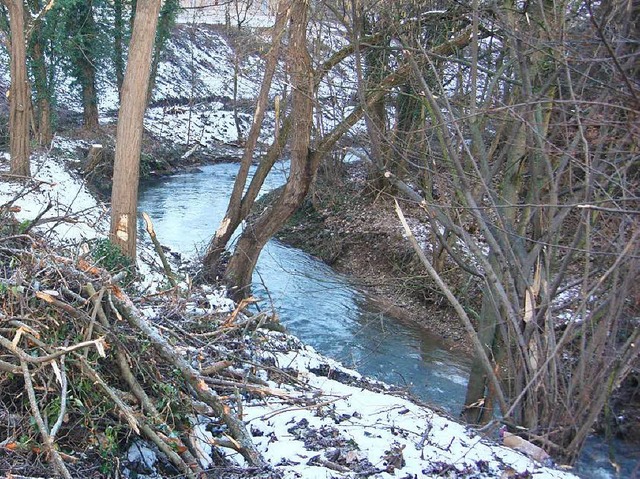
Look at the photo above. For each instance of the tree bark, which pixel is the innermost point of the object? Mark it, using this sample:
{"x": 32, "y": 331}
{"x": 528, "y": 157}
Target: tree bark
{"x": 303, "y": 163}
{"x": 41, "y": 83}
{"x": 126, "y": 170}
{"x": 166, "y": 21}
{"x": 118, "y": 33}
{"x": 19, "y": 101}
{"x": 86, "y": 67}
{"x": 233, "y": 215}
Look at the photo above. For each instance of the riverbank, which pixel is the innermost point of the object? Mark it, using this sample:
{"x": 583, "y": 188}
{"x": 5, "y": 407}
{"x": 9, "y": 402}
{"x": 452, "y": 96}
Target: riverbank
{"x": 356, "y": 231}
{"x": 306, "y": 415}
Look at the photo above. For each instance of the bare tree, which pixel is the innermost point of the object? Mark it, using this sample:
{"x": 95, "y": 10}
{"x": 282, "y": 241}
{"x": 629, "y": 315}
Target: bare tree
{"x": 19, "y": 101}
{"x": 536, "y": 186}
{"x": 233, "y": 216}
{"x": 126, "y": 170}
{"x": 303, "y": 165}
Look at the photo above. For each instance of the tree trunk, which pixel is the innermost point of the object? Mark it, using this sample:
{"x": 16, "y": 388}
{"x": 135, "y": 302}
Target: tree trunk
{"x": 126, "y": 169}
{"x": 165, "y": 24}
{"x": 375, "y": 115}
{"x": 477, "y": 403}
{"x": 233, "y": 215}
{"x": 44, "y": 125}
{"x": 118, "y": 33}
{"x": 89, "y": 96}
{"x": 81, "y": 29}
{"x": 303, "y": 163}
{"x": 19, "y": 102}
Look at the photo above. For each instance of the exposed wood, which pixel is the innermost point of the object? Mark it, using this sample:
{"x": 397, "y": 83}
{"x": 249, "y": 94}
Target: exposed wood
{"x": 158, "y": 247}
{"x": 126, "y": 169}
{"x": 94, "y": 157}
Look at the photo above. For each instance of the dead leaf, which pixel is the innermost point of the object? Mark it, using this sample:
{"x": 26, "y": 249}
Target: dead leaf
{"x": 202, "y": 386}
{"x": 45, "y": 296}
{"x": 12, "y": 446}
{"x": 87, "y": 267}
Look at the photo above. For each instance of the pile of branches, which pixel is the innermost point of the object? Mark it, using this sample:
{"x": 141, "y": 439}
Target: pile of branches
{"x": 83, "y": 372}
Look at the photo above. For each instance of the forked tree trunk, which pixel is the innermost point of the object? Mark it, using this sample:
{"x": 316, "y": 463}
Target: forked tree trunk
{"x": 233, "y": 215}
{"x": 19, "y": 102}
{"x": 303, "y": 163}
{"x": 126, "y": 169}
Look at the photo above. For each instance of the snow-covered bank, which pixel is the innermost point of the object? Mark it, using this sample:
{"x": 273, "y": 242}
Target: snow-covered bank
{"x": 59, "y": 201}
{"x": 351, "y": 431}
{"x": 322, "y": 420}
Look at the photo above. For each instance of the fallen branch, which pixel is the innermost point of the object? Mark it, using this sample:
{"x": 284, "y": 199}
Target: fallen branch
{"x": 121, "y": 357}
{"x": 216, "y": 367}
{"x": 158, "y": 247}
{"x": 191, "y": 376}
{"x": 37, "y": 416}
{"x": 265, "y": 391}
{"x": 23, "y": 356}
{"x": 462, "y": 314}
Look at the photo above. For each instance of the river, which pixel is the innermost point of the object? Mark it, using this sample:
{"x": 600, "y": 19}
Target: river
{"x": 322, "y": 307}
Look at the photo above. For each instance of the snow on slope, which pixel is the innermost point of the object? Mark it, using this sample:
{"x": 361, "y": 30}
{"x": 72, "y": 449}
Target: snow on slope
{"x": 349, "y": 429}
{"x": 66, "y": 197}
{"x": 353, "y": 430}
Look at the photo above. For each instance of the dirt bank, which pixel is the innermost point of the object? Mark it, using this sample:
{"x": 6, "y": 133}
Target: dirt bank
{"x": 355, "y": 230}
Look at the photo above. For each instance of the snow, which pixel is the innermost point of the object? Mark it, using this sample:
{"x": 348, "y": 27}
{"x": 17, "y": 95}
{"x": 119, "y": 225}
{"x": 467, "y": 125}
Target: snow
{"x": 356, "y": 425}
{"x": 258, "y": 15}
{"x": 74, "y": 216}
{"x": 64, "y": 194}
{"x": 359, "y": 427}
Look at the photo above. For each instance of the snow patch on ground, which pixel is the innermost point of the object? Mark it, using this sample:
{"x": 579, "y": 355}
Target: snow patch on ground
{"x": 66, "y": 211}
{"x": 72, "y": 214}
{"x": 351, "y": 430}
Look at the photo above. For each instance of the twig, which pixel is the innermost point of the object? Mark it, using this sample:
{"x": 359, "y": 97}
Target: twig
{"x": 96, "y": 305}
{"x": 62, "y": 376}
{"x": 124, "y": 408}
{"x": 215, "y": 368}
{"x": 127, "y": 374}
{"x": 267, "y": 416}
{"x": 98, "y": 343}
{"x": 46, "y": 438}
{"x": 38, "y": 217}
{"x": 248, "y": 387}
{"x": 9, "y": 368}
{"x": 158, "y": 247}
{"x": 136, "y": 425}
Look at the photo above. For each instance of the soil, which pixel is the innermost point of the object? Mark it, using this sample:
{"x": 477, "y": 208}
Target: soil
{"x": 355, "y": 230}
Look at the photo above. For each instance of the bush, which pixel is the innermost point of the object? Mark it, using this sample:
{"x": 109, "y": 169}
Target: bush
{"x": 110, "y": 257}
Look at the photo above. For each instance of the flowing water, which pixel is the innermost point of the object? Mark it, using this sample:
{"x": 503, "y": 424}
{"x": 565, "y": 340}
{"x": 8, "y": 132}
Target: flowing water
{"x": 315, "y": 303}
{"x": 322, "y": 307}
